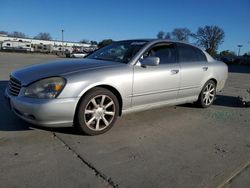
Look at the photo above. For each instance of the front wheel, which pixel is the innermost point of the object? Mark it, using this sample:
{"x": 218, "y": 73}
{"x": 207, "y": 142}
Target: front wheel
{"x": 207, "y": 95}
{"x": 97, "y": 112}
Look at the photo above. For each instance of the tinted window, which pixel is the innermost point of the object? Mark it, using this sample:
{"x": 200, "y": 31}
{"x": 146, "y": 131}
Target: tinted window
{"x": 189, "y": 53}
{"x": 166, "y": 53}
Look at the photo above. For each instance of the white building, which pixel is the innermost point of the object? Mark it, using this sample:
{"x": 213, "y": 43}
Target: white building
{"x": 43, "y": 42}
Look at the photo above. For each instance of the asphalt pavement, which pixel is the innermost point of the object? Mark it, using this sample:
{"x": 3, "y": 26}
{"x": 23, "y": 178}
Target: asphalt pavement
{"x": 179, "y": 146}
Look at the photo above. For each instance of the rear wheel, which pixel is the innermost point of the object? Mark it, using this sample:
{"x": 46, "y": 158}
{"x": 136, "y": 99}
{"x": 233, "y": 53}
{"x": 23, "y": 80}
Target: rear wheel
{"x": 97, "y": 112}
{"x": 207, "y": 95}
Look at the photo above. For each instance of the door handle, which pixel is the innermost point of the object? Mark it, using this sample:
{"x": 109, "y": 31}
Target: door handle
{"x": 205, "y": 68}
{"x": 174, "y": 71}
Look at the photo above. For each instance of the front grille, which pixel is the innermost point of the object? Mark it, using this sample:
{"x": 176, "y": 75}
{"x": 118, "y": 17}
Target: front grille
{"x": 14, "y": 86}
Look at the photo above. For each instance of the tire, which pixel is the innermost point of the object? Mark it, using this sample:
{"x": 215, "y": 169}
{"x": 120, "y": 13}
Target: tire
{"x": 207, "y": 95}
{"x": 97, "y": 112}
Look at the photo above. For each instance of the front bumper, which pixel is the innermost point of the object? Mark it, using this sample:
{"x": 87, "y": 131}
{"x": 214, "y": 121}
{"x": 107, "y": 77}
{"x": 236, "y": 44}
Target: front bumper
{"x": 45, "y": 112}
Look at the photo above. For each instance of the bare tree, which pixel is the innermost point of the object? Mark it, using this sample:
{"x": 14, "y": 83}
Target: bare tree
{"x": 227, "y": 53}
{"x": 43, "y": 36}
{"x": 209, "y": 37}
{"x": 17, "y": 34}
{"x": 105, "y": 42}
{"x": 84, "y": 41}
{"x": 181, "y": 34}
{"x": 4, "y": 32}
{"x": 160, "y": 35}
{"x": 93, "y": 42}
{"x": 168, "y": 35}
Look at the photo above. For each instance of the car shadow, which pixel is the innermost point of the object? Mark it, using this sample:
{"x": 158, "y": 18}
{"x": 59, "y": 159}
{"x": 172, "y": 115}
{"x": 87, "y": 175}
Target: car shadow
{"x": 228, "y": 101}
{"x": 10, "y": 122}
{"x": 221, "y": 100}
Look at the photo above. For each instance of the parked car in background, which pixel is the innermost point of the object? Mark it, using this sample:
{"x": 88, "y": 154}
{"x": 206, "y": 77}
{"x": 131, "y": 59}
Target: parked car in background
{"x": 125, "y": 76}
{"x": 79, "y": 54}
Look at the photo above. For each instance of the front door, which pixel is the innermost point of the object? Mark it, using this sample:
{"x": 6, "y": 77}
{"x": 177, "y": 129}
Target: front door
{"x": 159, "y": 83}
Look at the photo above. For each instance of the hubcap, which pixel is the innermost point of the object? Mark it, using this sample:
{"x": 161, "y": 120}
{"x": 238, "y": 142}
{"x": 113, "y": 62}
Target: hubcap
{"x": 99, "y": 112}
{"x": 208, "y": 94}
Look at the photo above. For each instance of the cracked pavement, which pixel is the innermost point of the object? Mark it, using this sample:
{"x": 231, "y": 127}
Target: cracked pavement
{"x": 180, "y": 146}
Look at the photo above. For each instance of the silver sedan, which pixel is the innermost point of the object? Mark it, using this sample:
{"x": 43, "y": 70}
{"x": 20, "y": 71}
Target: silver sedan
{"x": 125, "y": 76}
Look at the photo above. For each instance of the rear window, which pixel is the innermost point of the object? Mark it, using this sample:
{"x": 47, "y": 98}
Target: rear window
{"x": 188, "y": 53}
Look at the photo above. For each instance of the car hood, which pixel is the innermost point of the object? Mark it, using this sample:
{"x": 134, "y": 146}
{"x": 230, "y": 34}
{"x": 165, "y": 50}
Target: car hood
{"x": 60, "y": 68}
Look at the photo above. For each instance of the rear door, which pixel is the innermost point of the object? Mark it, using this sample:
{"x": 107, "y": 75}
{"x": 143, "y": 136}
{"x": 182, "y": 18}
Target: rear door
{"x": 194, "y": 70}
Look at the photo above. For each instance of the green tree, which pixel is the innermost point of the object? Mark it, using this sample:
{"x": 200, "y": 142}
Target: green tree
{"x": 104, "y": 42}
{"x": 209, "y": 37}
{"x": 43, "y": 36}
{"x": 181, "y": 34}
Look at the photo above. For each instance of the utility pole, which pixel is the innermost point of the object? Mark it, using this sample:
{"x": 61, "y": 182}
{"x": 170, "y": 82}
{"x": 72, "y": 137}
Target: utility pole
{"x": 62, "y": 38}
{"x": 239, "y": 46}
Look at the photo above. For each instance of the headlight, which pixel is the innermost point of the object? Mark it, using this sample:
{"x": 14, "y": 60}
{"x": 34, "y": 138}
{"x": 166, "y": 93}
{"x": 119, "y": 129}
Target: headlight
{"x": 47, "y": 88}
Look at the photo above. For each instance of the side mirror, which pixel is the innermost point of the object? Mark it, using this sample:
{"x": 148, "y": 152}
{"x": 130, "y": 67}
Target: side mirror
{"x": 150, "y": 61}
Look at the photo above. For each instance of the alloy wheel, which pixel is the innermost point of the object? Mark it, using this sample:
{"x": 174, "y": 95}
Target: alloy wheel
{"x": 99, "y": 112}
{"x": 208, "y": 94}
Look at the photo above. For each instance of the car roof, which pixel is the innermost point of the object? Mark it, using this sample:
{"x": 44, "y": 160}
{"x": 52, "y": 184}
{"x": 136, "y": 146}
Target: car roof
{"x": 154, "y": 41}
{"x": 159, "y": 41}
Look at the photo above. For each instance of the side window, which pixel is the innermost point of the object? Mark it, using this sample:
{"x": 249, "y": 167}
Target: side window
{"x": 166, "y": 53}
{"x": 188, "y": 53}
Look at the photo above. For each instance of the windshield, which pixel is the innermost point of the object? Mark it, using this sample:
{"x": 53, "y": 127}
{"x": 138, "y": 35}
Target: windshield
{"x": 121, "y": 52}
